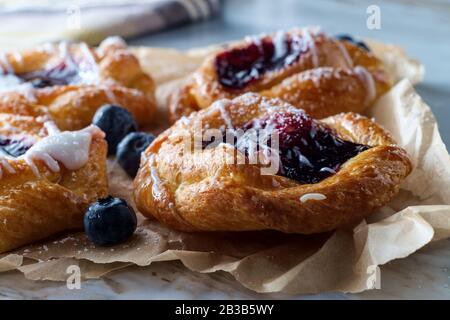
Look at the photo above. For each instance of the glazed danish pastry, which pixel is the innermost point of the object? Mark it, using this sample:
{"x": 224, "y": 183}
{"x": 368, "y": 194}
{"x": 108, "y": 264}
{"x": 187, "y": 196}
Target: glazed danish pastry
{"x": 320, "y": 74}
{"x": 47, "y": 178}
{"x": 329, "y": 173}
{"x": 71, "y": 81}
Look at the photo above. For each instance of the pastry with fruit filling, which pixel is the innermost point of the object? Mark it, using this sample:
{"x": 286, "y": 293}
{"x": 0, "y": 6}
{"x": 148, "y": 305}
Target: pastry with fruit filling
{"x": 70, "y": 81}
{"x": 48, "y": 178}
{"x": 256, "y": 163}
{"x": 321, "y": 74}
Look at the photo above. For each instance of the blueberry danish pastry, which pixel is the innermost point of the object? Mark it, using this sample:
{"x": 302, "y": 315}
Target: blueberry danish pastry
{"x": 47, "y": 178}
{"x": 70, "y": 81}
{"x": 322, "y": 75}
{"x": 255, "y": 163}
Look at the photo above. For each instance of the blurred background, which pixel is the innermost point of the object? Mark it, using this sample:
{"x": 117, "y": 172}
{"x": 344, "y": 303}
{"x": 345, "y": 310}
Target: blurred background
{"x": 422, "y": 27}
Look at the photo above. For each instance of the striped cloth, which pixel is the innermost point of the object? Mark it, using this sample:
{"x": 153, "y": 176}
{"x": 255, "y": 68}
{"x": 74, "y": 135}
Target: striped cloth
{"x": 27, "y": 23}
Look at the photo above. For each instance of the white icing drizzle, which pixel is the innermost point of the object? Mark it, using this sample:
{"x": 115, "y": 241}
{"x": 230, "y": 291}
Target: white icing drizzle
{"x": 71, "y": 148}
{"x": 88, "y": 54}
{"x": 18, "y": 56}
{"x": 51, "y": 127}
{"x": 327, "y": 169}
{"x": 87, "y": 68}
{"x": 110, "y": 95}
{"x": 367, "y": 79}
{"x": 345, "y": 53}
{"x": 221, "y": 104}
{"x": 113, "y": 41}
{"x": 312, "y": 196}
{"x": 116, "y": 41}
{"x": 65, "y": 55}
{"x": 89, "y": 74}
{"x": 156, "y": 183}
{"x": 279, "y": 43}
{"x": 309, "y": 43}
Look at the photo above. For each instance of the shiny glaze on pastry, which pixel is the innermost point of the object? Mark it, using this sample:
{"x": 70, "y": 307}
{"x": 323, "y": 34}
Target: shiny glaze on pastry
{"x": 70, "y": 81}
{"x": 320, "y": 74}
{"x": 199, "y": 191}
{"x": 47, "y": 178}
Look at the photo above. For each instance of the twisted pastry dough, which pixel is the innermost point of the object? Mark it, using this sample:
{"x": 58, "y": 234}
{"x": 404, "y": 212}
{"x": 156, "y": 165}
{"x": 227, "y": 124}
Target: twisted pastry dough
{"x": 305, "y": 67}
{"x": 200, "y": 191}
{"x": 70, "y": 82}
{"x": 39, "y": 195}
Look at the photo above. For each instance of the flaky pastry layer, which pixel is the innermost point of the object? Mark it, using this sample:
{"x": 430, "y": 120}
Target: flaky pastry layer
{"x": 34, "y": 207}
{"x": 201, "y": 192}
{"x": 330, "y": 76}
{"x": 109, "y": 73}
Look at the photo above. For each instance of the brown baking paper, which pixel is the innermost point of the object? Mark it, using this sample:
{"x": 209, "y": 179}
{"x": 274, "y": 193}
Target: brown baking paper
{"x": 345, "y": 260}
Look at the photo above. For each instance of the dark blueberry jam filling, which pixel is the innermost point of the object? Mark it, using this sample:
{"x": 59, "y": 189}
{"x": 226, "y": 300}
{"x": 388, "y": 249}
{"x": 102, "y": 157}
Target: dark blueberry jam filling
{"x": 308, "y": 150}
{"x": 13, "y": 148}
{"x": 349, "y": 38}
{"x": 237, "y": 68}
{"x": 59, "y": 75}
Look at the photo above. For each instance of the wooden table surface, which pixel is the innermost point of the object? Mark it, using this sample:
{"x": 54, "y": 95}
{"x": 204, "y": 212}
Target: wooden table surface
{"x": 422, "y": 27}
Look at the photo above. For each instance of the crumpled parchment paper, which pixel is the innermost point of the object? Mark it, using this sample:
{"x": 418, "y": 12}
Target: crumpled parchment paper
{"x": 345, "y": 260}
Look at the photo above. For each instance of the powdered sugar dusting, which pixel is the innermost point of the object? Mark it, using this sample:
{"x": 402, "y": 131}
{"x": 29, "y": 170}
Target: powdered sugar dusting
{"x": 222, "y": 104}
{"x": 345, "y": 54}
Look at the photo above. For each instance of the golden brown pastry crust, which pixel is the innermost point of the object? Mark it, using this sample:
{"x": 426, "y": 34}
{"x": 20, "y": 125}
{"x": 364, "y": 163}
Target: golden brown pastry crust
{"x": 117, "y": 78}
{"x": 201, "y": 192}
{"x": 33, "y": 208}
{"x": 335, "y": 76}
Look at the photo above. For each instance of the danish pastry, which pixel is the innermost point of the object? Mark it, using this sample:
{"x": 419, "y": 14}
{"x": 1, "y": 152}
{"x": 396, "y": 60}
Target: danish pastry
{"x": 71, "y": 81}
{"x": 331, "y": 172}
{"x": 47, "y": 178}
{"x": 320, "y": 74}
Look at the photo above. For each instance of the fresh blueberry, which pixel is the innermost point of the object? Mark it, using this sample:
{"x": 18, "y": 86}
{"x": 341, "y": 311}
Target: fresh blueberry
{"x": 129, "y": 151}
{"x": 109, "y": 221}
{"x": 116, "y": 122}
{"x": 347, "y": 37}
